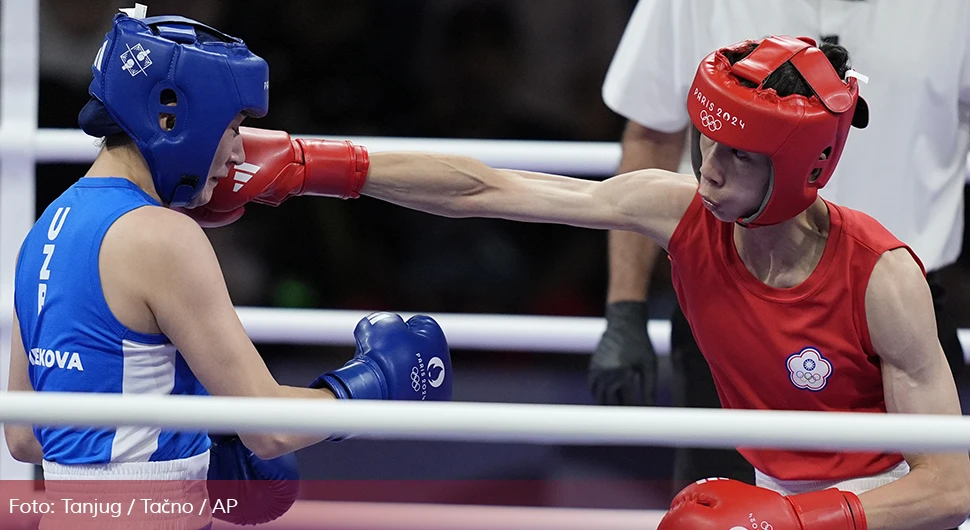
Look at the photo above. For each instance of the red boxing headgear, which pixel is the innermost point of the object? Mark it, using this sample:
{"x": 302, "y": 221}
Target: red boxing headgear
{"x": 794, "y": 131}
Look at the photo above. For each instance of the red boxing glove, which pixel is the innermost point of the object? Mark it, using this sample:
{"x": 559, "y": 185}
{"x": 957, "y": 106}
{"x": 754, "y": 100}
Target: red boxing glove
{"x": 722, "y": 504}
{"x": 278, "y": 167}
{"x": 209, "y": 219}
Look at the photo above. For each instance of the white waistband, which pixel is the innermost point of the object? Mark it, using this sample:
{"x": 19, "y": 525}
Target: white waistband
{"x": 191, "y": 468}
{"x": 855, "y": 485}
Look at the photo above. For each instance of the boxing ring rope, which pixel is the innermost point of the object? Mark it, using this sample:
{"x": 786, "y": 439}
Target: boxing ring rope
{"x": 499, "y": 422}
{"x": 592, "y": 159}
{"x": 493, "y": 422}
{"x": 532, "y": 333}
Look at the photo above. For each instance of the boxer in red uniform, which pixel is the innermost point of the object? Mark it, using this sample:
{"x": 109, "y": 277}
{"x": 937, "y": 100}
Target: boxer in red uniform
{"x": 796, "y": 302}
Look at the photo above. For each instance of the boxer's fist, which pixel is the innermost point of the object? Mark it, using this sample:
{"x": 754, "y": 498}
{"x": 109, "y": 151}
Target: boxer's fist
{"x": 718, "y": 504}
{"x": 394, "y": 360}
{"x": 260, "y": 490}
{"x": 278, "y": 167}
{"x": 210, "y": 219}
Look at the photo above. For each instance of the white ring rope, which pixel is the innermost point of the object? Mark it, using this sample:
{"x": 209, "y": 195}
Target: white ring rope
{"x": 569, "y": 158}
{"x": 499, "y": 422}
{"x": 464, "y": 331}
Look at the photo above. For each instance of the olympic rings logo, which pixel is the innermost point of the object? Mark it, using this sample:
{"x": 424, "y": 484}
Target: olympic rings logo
{"x": 765, "y": 525}
{"x": 415, "y": 379}
{"x": 808, "y": 377}
{"x": 708, "y": 120}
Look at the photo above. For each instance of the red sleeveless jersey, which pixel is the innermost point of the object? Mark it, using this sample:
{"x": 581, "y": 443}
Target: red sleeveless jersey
{"x": 803, "y": 348}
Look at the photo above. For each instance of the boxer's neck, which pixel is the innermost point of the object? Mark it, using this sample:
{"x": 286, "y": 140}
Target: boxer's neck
{"x": 785, "y": 254}
{"x": 124, "y": 161}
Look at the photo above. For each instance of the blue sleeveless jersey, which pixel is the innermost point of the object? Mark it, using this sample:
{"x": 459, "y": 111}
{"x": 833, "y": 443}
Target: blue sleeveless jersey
{"x": 75, "y": 344}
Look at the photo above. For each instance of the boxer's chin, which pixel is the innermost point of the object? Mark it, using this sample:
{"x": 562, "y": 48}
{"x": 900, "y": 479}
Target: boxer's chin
{"x": 206, "y": 194}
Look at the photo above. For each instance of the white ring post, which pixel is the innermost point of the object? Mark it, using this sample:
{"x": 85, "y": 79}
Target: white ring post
{"x": 19, "y": 83}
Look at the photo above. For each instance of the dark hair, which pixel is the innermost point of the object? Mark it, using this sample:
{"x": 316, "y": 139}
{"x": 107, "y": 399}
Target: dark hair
{"x": 786, "y": 80}
{"x": 117, "y": 140}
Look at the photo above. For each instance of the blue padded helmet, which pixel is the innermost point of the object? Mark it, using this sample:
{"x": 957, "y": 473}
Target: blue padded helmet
{"x": 173, "y": 66}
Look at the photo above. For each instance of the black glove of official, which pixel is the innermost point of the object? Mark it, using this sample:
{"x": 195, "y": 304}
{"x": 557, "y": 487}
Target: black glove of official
{"x": 623, "y": 369}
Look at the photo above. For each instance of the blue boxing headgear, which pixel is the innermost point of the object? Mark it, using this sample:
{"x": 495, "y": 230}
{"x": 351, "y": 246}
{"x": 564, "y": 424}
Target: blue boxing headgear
{"x": 171, "y": 65}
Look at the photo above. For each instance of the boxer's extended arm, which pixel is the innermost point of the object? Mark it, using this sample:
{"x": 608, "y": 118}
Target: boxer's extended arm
{"x": 21, "y": 442}
{"x": 174, "y": 271}
{"x": 916, "y": 380}
{"x": 650, "y": 202}
{"x": 278, "y": 167}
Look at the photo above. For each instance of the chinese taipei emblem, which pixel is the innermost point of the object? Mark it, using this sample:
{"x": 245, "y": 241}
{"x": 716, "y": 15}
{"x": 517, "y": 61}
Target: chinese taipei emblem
{"x": 808, "y": 370}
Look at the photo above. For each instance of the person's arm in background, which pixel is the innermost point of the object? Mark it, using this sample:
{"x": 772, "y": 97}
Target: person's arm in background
{"x": 645, "y": 84}
{"x": 623, "y": 368}
{"x": 632, "y": 255}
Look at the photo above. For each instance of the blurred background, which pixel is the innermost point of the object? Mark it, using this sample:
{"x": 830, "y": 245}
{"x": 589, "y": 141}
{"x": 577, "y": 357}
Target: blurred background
{"x": 502, "y": 69}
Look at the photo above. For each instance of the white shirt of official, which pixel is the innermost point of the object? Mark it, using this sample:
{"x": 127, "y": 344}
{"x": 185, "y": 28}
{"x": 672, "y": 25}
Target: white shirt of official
{"x": 908, "y": 168}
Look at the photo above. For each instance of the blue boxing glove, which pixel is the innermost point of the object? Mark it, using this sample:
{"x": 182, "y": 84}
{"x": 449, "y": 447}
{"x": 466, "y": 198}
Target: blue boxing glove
{"x": 394, "y": 360}
{"x": 245, "y": 489}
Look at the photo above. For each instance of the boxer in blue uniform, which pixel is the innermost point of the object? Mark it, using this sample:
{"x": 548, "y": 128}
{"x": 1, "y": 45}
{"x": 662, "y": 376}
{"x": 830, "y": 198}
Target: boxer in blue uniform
{"x": 117, "y": 292}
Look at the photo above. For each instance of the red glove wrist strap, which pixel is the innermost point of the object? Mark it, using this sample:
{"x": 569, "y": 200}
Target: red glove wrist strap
{"x": 334, "y": 168}
{"x": 829, "y": 509}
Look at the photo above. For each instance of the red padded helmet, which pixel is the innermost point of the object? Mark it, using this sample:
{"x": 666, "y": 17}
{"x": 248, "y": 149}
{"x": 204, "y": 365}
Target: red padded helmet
{"x": 794, "y": 131}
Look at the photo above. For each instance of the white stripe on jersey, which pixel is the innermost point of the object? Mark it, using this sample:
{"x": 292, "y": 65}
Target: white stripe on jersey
{"x": 148, "y": 369}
